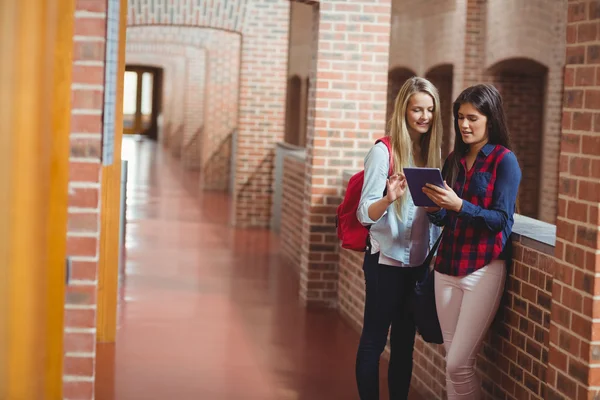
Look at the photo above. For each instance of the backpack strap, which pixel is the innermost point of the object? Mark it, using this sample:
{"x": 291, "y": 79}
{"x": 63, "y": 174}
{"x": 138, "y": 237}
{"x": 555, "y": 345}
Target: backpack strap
{"x": 388, "y": 143}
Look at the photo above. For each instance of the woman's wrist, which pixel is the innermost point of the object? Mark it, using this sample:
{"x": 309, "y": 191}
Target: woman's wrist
{"x": 459, "y": 206}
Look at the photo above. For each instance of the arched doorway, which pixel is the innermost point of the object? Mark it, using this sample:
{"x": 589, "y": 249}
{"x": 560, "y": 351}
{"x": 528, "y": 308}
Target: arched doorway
{"x": 142, "y": 100}
{"x": 522, "y": 83}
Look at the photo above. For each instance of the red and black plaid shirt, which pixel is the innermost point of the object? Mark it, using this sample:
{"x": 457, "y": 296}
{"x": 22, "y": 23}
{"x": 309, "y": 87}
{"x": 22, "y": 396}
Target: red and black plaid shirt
{"x": 478, "y": 234}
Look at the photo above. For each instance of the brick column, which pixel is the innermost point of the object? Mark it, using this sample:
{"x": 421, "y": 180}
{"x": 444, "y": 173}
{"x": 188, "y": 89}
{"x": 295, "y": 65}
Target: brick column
{"x": 574, "y": 358}
{"x": 474, "y": 43}
{"x": 261, "y": 108}
{"x": 194, "y": 110}
{"x": 84, "y": 197}
{"x": 346, "y": 113}
{"x": 221, "y": 109}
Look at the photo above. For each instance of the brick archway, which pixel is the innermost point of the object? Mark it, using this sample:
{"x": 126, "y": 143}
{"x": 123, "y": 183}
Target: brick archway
{"x": 263, "y": 27}
{"x": 522, "y": 83}
{"x": 184, "y": 85}
{"x": 544, "y": 26}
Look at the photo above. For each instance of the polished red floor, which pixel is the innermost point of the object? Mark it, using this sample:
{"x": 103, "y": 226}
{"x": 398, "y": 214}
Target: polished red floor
{"x": 210, "y": 312}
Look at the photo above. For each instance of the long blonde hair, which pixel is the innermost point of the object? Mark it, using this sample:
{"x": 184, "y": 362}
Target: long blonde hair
{"x": 401, "y": 143}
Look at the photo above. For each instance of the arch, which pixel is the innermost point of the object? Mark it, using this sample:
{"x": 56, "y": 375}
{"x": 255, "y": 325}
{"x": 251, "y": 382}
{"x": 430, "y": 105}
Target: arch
{"x": 442, "y": 77}
{"x": 227, "y": 15}
{"x": 174, "y": 62}
{"x": 246, "y": 20}
{"x": 518, "y": 66}
{"x": 509, "y": 21}
{"x": 183, "y": 114}
{"x": 396, "y": 78}
{"x": 522, "y": 83}
{"x": 186, "y": 34}
{"x": 185, "y": 26}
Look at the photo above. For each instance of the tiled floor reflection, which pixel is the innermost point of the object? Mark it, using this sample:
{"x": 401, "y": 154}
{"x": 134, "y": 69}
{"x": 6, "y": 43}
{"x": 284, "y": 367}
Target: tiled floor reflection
{"x": 210, "y": 312}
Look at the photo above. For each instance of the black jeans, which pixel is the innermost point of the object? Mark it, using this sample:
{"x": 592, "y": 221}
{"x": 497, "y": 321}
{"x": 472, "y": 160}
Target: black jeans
{"x": 387, "y": 301}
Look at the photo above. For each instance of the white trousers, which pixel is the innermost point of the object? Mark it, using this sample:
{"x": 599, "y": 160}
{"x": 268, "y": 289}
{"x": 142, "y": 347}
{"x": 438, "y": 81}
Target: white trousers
{"x": 466, "y": 307}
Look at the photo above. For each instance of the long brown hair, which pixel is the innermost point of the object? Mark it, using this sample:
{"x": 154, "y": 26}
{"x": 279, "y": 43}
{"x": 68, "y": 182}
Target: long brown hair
{"x": 488, "y": 101}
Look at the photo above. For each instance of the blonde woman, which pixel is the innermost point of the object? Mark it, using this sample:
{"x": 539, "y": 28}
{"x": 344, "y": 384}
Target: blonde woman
{"x": 399, "y": 237}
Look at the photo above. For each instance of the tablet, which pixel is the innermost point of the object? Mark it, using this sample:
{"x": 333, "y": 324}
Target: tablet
{"x": 416, "y": 178}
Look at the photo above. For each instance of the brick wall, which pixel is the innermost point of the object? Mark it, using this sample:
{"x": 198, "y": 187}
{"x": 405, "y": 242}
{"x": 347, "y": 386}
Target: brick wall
{"x": 347, "y": 103}
{"x": 543, "y": 23}
{"x": 84, "y": 198}
{"x": 544, "y": 346}
{"x": 495, "y": 33}
{"x": 291, "y": 209}
{"x": 221, "y": 112}
{"x": 522, "y": 92}
{"x": 174, "y": 63}
{"x": 351, "y": 288}
{"x": 264, "y": 26}
{"x": 262, "y": 107}
{"x": 435, "y": 54}
{"x": 211, "y": 91}
{"x": 574, "y": 370}
{"x": 418, "y": 47}
{"x": 194, "y": 109}
{"x": 406, "y": 51}
{"x": 187, "y": 82}
{"x": 514, "y": 359}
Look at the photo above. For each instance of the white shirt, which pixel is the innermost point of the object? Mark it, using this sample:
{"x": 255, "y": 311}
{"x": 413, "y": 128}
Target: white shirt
{"x": 400, "y": 243}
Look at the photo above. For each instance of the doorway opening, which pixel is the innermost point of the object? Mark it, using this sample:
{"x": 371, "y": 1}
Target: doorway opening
{"x": 142, "y": 100}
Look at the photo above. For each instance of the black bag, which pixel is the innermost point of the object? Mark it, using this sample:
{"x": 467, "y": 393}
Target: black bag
{"x": 425, "y": 311}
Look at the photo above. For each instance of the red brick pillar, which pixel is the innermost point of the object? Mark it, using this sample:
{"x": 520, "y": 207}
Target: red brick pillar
{"x": 346, "y": 113}
{"x": 474, "y": 43}
{"x": 574, "y": 357}
{"x": 194, "y": 110}
{"x": 221, "y": 109}
{"x": 468, "y": 70}
{"x": 263, "y": 82}
{"x": 85, "y": 182}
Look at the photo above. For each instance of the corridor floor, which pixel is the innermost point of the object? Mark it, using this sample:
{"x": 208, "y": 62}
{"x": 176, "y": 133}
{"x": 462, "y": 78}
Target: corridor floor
{"x": 210, "y": 312}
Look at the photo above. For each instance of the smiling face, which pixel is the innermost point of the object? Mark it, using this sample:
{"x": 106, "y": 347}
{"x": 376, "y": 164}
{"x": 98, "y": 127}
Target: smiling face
{"x": 473, "y": 125}
{"x": 419, "y": 114}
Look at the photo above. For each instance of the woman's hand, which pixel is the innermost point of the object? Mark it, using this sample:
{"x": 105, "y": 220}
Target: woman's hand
{"x": 396, "y": 186}
{"x": 444, "y": 197}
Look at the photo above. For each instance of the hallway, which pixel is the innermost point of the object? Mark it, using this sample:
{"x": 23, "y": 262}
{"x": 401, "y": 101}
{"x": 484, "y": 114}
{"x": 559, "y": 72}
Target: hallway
{"x": 210, "y": 312}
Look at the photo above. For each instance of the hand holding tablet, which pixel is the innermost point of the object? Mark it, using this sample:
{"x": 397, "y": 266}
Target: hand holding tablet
{"x": 430, "y": 180}
{"x": 417, "y": 178}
